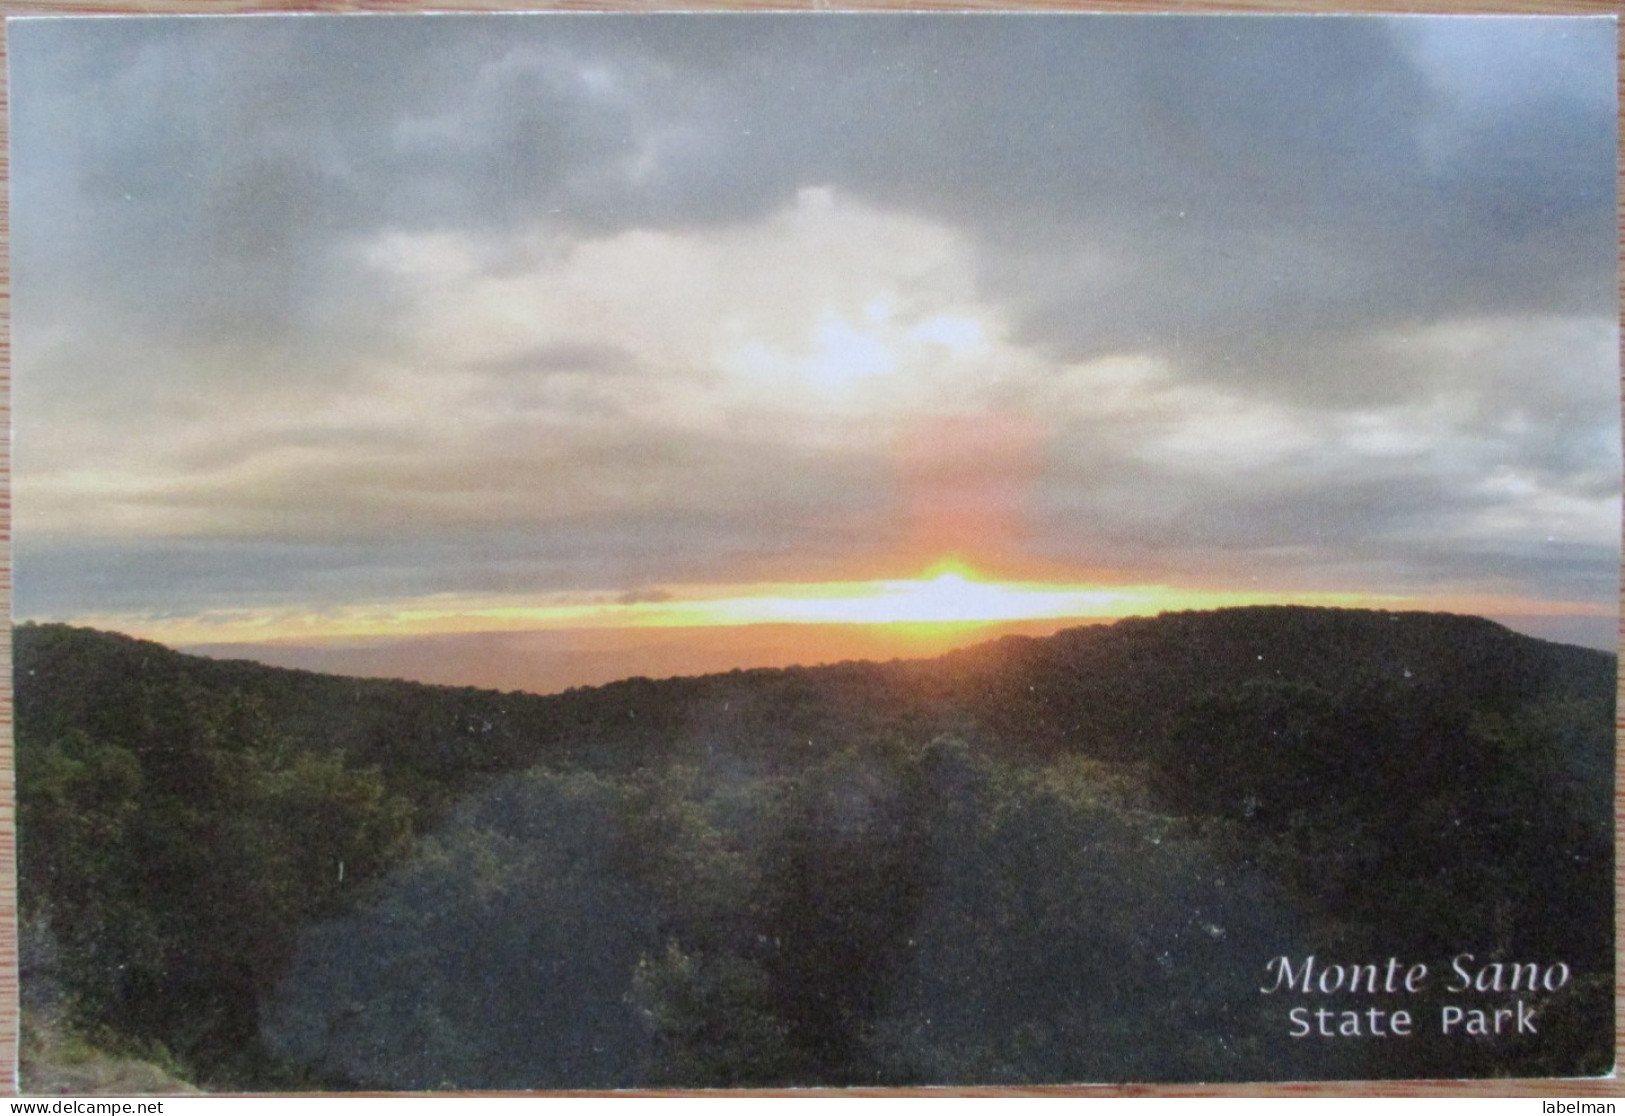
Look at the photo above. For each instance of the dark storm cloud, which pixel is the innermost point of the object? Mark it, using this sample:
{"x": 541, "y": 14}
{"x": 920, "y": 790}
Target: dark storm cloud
{"x": 1251, "y": 173}
{"x": 1286, "y": 180}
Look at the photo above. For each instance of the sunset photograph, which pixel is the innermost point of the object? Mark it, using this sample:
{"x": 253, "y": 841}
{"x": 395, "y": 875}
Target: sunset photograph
{"x": 575, "y": 551}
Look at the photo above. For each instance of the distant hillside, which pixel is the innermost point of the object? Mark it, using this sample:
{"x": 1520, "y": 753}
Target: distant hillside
{"x": 1100, "y": 690}
{"x": 202, "y": 841}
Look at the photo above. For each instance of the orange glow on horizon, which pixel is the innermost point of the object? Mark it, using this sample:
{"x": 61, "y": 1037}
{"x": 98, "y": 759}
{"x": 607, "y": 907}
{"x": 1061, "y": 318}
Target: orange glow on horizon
{"x": 949, "y": 598}
{"x": 966, "y": 481}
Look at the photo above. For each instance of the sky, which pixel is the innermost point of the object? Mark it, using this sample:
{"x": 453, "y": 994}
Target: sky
{"x": 539, "y": 350}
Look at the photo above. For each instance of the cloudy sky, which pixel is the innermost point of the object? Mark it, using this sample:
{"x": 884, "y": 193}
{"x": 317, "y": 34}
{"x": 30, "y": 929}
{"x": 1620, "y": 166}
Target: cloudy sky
{"x": 395, "y": 337}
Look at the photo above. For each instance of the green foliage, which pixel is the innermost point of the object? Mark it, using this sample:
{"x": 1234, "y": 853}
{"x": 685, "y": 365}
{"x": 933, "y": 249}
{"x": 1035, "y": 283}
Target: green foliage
{"x": 497, "y": 958}
{"x": 891, "y": 916}
{"x": 1038, "y": 860}
{"x": 175, "y": 846}
{"x": 1062, "y": 938}
{"x": 714, "y": 1020}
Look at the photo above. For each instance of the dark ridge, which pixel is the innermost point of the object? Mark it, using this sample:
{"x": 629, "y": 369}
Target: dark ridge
{"x": 1101, "y": 689}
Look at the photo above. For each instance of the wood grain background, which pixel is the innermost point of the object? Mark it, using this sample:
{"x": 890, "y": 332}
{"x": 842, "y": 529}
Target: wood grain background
{"x": 1611, "y": 1086}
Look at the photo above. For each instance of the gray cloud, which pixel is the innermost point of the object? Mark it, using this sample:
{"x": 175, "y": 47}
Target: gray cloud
{"x": 585, "y": 357}
{"x": 1292, "y": 167}
{"x": 1284, "y": 210}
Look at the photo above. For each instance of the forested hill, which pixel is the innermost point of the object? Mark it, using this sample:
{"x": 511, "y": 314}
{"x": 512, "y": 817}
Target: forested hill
{"x": 784, "y": 876}
{"x": 1108, "y": 690}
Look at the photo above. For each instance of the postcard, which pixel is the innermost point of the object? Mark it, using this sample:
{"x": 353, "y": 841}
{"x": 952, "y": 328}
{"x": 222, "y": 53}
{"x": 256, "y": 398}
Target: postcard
{"x": 623, "y": 551}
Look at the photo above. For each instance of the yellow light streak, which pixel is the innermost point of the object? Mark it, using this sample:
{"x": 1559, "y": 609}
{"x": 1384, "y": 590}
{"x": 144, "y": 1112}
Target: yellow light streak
{"x": 950, "y": 594}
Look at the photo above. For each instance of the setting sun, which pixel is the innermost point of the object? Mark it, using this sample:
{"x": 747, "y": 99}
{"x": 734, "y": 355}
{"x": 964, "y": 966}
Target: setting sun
{"x": 948, "y": 594}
